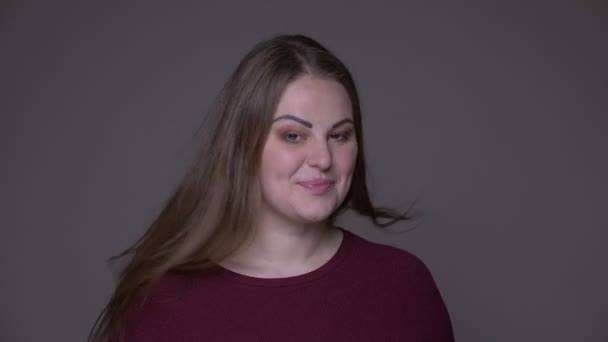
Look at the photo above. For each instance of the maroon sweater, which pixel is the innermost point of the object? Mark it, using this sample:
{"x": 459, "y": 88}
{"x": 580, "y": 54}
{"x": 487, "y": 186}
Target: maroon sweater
{"x": 365, "y": 292}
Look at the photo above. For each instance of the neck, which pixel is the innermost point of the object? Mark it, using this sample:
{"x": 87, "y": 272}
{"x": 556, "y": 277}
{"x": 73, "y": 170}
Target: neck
{"x": 279, "y": 248}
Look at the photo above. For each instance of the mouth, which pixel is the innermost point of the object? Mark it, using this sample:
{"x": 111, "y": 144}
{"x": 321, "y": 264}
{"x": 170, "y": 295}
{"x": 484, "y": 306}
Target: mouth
{"x": 319, "y": 187}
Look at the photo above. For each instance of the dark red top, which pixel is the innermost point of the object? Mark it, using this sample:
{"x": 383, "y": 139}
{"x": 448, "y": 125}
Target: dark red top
{"x": 365, "y": 292}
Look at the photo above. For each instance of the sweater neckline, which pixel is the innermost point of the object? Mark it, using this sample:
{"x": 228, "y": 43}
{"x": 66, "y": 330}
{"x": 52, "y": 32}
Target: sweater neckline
{"x": 310, "y": 276}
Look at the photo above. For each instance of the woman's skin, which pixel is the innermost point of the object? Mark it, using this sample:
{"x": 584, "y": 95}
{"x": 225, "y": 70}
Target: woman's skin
{"x": 306, "y": 170}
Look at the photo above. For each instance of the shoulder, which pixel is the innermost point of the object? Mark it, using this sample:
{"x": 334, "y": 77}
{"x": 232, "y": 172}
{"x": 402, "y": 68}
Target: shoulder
{"x": 407, "y": 280}
{"x": 153, "y": 315}
{"x": 175, "y": 286}
{"x": 398, "y": 266}
{"x": 169, "y": 288}
{"x": 390, "y": 255}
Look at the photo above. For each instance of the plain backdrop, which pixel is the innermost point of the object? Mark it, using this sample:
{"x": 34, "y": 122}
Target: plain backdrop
{"x": 491, "y": 114}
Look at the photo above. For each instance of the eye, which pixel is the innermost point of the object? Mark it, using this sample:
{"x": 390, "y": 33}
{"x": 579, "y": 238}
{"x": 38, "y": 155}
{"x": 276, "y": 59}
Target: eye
{"x": 342, "y": 136}
{"x": 292, "y": 137}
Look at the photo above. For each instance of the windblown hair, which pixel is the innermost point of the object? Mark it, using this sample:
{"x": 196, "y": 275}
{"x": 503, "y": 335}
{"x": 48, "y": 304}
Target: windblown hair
{"x": 212, "y": 211}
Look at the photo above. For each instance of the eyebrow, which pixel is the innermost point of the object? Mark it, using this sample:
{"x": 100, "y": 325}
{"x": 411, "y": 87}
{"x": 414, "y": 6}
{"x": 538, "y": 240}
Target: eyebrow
{"x": 308, "y": 124}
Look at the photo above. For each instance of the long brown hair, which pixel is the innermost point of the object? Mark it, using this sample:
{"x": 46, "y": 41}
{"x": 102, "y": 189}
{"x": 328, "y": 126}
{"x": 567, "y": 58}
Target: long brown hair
{"x": 211, "y": 213}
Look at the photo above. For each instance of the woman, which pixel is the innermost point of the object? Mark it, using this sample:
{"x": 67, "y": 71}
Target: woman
{"x": 247, "y": 250}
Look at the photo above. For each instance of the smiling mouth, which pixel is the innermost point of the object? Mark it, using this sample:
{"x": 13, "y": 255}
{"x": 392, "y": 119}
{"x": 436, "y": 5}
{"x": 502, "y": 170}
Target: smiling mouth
{"x": 317, "y": 188}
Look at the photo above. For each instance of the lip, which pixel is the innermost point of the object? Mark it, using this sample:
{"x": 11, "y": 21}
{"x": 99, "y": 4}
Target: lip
{"x": 317, "y": 186}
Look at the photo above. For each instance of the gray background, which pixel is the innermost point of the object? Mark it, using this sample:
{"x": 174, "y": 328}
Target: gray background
{"x": 492, "y": 114}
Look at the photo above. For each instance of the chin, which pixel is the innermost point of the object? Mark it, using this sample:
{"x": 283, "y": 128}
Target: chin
{"x": 321, "y": 212}
{"x": 315, "y": 217}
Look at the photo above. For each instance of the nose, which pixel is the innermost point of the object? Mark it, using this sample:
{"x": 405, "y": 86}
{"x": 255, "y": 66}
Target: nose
{"x": 320, "y": 155}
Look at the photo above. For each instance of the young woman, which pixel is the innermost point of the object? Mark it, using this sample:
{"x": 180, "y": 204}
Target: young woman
{"x": 246, "y": 249}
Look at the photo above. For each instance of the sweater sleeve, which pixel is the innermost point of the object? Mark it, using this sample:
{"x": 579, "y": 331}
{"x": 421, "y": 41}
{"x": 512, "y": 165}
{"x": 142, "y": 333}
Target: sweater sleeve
{"x": 426, "y": 308}
{"x": 149, "y": 322}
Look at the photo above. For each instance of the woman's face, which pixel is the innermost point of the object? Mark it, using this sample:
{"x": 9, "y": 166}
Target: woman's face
{"x": 309, "y": 155}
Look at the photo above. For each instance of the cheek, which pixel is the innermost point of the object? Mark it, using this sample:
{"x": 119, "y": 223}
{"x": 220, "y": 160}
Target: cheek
{"x": 280, "y": 162}
{"x": 346, "y": 159}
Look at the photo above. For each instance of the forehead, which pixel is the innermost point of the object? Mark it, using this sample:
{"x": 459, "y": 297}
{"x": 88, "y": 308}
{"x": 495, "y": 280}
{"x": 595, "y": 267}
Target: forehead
{"x": 316, "y": 99}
